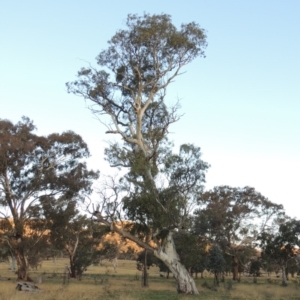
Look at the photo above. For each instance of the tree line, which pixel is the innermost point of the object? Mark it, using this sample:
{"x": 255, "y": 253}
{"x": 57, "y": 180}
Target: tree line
{"x": 160, "y": 202}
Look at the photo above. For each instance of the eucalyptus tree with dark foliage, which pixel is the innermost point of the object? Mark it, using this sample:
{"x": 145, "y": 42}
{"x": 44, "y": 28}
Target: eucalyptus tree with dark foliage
{"x": 233, "y": 218}
{"x": 31, "y": 168}
{"x": 130, "y": 88}
{"x": 215, "y": 262}
{"x": 281, "y": 246}
{"x": 72, "y": 233}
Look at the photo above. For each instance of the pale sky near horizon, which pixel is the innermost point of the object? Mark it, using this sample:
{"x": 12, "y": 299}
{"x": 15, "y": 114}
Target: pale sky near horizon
{"x": 241, "y": 104}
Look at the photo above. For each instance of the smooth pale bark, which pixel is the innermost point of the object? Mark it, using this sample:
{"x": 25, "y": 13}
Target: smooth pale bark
{"x": 114, "y": 262}
{"x": 167, "y": 253}
{"x": 13, "y": 263}
{"x": 71, "y": 250}
{"x": 284, "y": 278}
{"x": 72, "y": 270}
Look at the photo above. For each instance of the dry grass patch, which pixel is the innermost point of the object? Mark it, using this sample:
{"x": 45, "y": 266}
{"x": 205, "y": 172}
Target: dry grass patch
{"x": 101, "y": 282}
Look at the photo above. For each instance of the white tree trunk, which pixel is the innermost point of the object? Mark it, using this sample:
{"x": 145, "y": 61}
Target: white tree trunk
{"x": 284, "y": 279}
{"x": 166, "y": 252}
{"x": 114, "y": 262}
{"x": 13, "y": 263}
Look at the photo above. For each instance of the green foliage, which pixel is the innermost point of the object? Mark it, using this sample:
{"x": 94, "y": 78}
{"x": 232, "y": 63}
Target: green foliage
{"x": 86, "y": 255}
{"x": 227, "y": 214}
{"x": 4, "y": 252}
{"x": 151, "y": 44}
{"x": 226, "y": 217}
{"x": 35, "y": 166}
{"x": 215, "y": 261}
{"x": 293, "y": 266}
{"x": 255, "y": 268}
{"x": 130, "y": 87}
{"x": 150, "y": 260}
{"x": 35, "y": 169}
{"x": 72, "y": 233}
{"x": 138, "y": 65}
{"x": 186, "y": 170}
{"x": 156, "y": 119}
{"x": 109, "y": 250}
{"x": 185, "y": 173}
{"x": 280, "y": 246}
{"x": 191, "y": 251}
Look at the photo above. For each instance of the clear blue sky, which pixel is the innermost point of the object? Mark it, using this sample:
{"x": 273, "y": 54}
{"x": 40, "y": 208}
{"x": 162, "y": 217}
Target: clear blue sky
{"x": 241, "y": 103}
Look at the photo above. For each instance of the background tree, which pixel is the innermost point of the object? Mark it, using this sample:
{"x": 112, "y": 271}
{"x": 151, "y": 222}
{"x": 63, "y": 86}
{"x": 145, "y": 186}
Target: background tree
{"x": 293, "y": 266}
{"x": 111, "y": 251}
{"x": 150, "y": 260}
{"x": 269, "y": 266}
{"x": 254, "y": 269}
{"x": 233, "y": 218}
{"x": 130, "y": 88}
{"x": 87, "y": 253}
{"x": 215, "y": 262}
{"x": 72, "y": 233}
{"x": 144, "y": 262}
{"x": 32, "y": 167}
{"x": 281, "y": 246}
{"x": 36, "y": 242}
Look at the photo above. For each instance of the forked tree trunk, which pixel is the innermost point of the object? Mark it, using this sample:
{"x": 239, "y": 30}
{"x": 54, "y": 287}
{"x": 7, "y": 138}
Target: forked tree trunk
{"x": 72, "y": 267}
{"x": 166, "y": 252}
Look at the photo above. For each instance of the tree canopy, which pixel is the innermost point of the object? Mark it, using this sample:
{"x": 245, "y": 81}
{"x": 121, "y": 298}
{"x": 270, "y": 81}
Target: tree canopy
{"x": 33, "y": 168}
{"x": 280, "y": 245}
{"x": 234, "y": 218}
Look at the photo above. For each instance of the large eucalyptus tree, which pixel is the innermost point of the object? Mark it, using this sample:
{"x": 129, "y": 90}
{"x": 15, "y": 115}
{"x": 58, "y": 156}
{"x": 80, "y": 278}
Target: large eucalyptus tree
{"x": 130, "y": 88}
{"x": 32, "y": 169}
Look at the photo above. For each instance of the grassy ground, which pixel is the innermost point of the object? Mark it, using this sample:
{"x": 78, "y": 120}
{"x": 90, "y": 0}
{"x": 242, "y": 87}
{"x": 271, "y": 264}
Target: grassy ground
{"x": 102, "y": 283}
